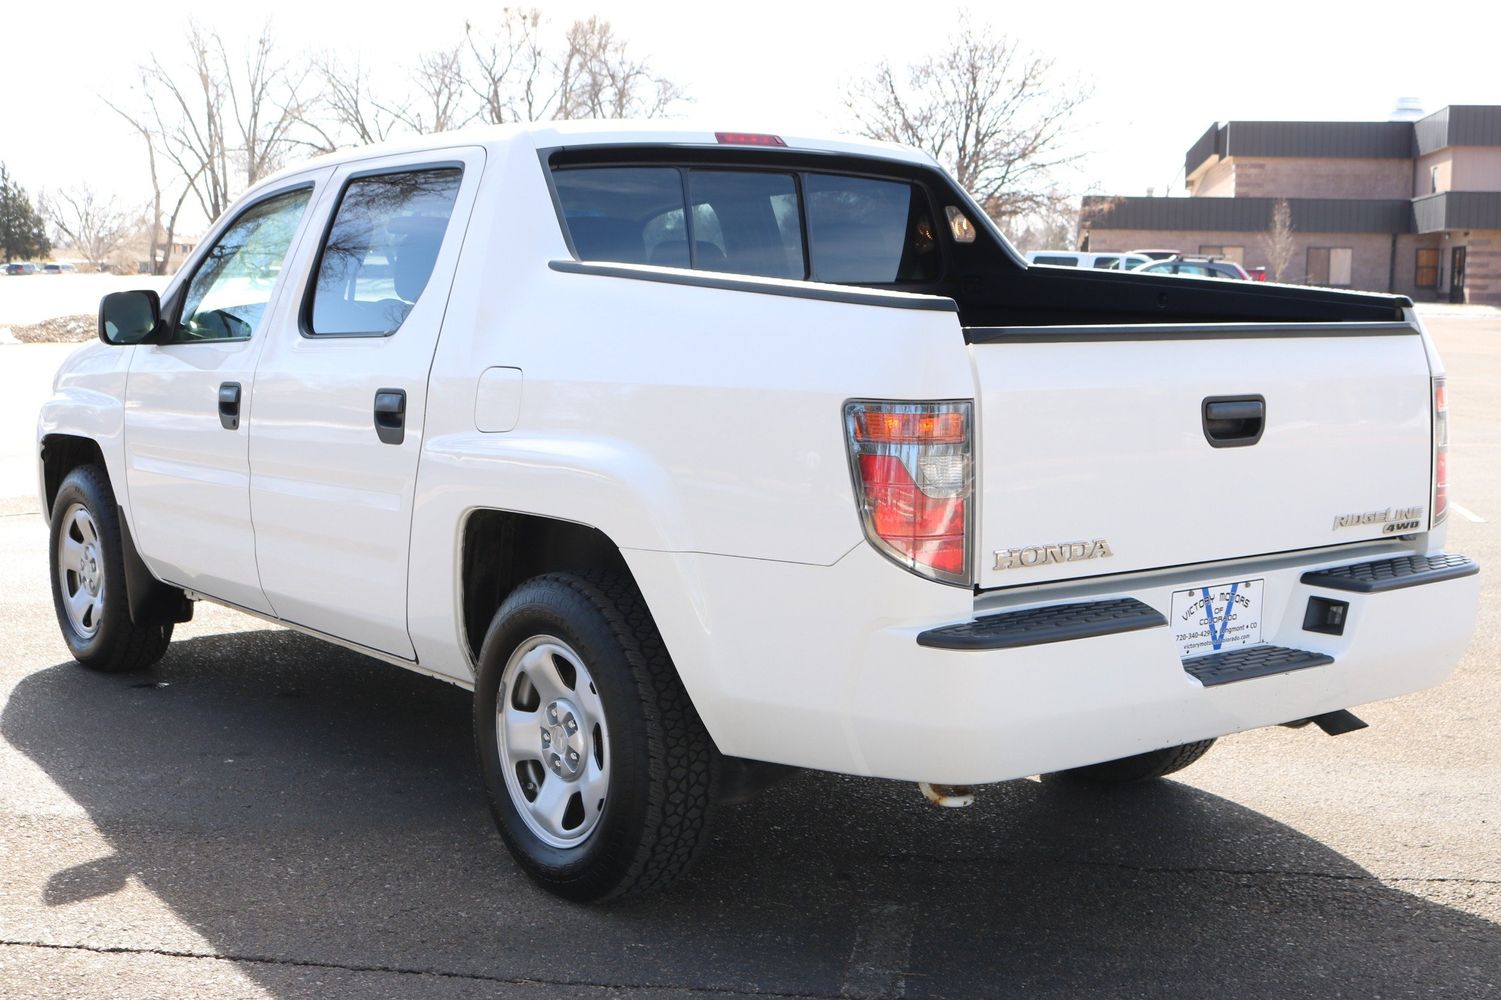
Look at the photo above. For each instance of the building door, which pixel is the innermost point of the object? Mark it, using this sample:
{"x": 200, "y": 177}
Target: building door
{"x": 1457, "y": 276}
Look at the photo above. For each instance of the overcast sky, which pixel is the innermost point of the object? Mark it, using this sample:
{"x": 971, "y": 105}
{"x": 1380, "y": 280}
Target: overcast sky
{"x": 1161, "y": 72}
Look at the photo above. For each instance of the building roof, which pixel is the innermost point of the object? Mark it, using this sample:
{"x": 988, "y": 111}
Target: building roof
{"x": 1457, "y": 125}
{"x": 1457, "y": 210}
{"x": 1309, "y": 215}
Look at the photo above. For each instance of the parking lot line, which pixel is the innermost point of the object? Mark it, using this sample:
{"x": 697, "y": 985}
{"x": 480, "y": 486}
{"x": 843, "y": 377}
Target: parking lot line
{"x": 1467, "y": 513}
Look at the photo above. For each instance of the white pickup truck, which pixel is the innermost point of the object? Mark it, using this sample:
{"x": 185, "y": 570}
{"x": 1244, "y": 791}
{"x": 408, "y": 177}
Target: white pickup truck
{"x": 693, "y": 454}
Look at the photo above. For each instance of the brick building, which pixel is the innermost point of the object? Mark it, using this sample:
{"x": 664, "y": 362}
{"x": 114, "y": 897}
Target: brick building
{"x": 1402, "y": 206}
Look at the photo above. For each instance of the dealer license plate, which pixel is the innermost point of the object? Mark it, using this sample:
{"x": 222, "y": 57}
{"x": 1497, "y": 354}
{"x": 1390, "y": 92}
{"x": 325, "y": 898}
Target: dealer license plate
{"x": 1222, "y": 616}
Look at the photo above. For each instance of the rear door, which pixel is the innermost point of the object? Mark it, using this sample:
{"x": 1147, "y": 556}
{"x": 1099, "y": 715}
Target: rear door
{"x": 1109, "y": 450}
{"x": 186, "y": 463}
{"x": 341, "y": 390}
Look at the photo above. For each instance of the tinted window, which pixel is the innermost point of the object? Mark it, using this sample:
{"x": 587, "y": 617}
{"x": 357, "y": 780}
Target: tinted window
{"x": 622, "y": 213}
{"x": 1106, "y": 262}
{"x": 229, "y": 292}
{"x": 866, "y": 231}
{"x": 743, "y": 222}
{"x": 381, "y": 250}
{"x": 1056, "y": 261}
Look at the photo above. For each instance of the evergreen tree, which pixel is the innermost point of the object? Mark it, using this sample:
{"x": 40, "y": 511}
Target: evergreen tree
{"x": 22, "y": 233}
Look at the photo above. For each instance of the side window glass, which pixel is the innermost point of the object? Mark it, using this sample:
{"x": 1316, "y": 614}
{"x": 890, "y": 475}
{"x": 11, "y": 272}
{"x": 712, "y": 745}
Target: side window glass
{"x": 228, "y": 293}
{"x": 746, "y": 223}
{"x": 380, "y": 250}
{"x": 629, "y": 215}
{"x": 865, "y": 231}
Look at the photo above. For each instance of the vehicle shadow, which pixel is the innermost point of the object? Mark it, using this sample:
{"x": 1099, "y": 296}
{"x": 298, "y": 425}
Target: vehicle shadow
{"x": 296, "y": 803}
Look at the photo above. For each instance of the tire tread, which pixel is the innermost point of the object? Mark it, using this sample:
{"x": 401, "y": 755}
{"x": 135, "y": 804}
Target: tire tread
{"x": 1145, "y": 766}
{"x": 130, "y": 647}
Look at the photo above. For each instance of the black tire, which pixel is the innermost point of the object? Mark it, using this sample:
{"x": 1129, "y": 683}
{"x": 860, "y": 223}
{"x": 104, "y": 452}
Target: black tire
{"x": 109, "y": 640}
{"x": 1144, "y": 766}
{"x": 664, "y": 768}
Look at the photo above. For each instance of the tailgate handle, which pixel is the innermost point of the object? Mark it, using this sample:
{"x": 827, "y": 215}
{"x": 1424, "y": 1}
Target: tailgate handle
{"x": 1234, "y": 421}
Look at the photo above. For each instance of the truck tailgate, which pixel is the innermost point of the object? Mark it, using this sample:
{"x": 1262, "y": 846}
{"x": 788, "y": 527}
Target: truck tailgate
{"x": 1095, "y": 453}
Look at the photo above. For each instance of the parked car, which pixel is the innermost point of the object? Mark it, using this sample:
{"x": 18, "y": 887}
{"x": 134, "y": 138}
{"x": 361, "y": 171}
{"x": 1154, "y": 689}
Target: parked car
{"x": 1196, "y": 267}
{"x": 805, "y": 468}
{"x": 1074, "y": 258}
{"x": 20, "y": 267}
{"x": 1257, "y": 273}
{"x": 58, "y": 268}
{"x": 1158, "y": 254}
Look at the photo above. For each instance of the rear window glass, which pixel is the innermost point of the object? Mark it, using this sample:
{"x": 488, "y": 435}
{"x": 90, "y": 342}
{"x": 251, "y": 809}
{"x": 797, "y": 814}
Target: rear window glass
{"x": 860, "y": 231}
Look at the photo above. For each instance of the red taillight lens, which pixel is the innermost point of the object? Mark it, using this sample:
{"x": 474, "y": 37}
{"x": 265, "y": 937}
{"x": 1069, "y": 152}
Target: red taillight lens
{"x": 913, "y": 482}
{"x": 1440, "y": 506}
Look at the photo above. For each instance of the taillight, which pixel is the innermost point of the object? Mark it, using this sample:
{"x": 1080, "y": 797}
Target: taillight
{"x": 1440, "y": 506}
{"x": 914, "y": 483}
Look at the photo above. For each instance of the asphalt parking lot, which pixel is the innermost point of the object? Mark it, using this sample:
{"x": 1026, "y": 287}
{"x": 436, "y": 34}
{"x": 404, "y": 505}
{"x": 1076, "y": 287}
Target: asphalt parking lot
{"x": 262, "y": 815}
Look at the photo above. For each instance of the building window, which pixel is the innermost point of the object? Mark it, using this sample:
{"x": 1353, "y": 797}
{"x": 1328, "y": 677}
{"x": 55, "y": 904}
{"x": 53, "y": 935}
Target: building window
{"x": 1433, "y": 179}
{"x": 1236, "y": 254}
{"x": 1329, "y": 266}
{"x": 1426, "y": 275}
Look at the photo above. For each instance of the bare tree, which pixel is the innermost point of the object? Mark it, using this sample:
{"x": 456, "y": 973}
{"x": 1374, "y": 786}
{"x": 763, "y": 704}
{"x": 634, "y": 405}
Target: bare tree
{"x": 996, "y": 115}
{"x": 350, "y": 112}
{"x": 1277, "y": 242}
{"x": 439, "y": 80}
{"x": 219, "y": 127}
{"x": 518, "y": 76}
{"x": 599, "y": 78}
{"x": 265, "y": 103}
{"x": 160, "y": 237}
{"x": 1052, "y": 226}
{"x": 95, "y": 225}
{"x": 512, "y": 75}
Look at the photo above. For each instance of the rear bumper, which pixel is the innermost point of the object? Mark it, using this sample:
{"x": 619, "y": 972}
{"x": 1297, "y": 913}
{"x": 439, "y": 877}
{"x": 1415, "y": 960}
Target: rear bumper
{"x": 822, "y": 666}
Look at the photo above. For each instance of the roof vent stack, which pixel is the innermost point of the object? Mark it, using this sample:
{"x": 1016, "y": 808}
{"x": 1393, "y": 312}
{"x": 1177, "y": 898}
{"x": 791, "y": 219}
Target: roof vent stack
{"x": 1408, "y": 109}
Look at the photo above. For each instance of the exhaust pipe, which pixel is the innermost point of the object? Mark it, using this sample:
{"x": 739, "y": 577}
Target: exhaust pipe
{"x": 948, "y": 796}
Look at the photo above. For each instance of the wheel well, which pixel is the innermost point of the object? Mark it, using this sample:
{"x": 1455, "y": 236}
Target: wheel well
{"x": 61, "y": 454}
{"x": 502, "y": 549}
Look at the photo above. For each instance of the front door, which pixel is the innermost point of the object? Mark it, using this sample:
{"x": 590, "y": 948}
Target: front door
{"x": 186, "y": 400}
{"x": 1457, "y": 275}
{"x": 340, "y": 394}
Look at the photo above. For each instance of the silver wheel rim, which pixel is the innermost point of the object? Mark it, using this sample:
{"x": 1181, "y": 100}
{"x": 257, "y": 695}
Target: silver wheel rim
{"x": 554, "y": 745}
{"x": 80, "y": 570}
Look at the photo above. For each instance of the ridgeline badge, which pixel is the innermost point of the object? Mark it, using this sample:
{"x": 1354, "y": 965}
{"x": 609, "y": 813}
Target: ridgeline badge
{"x": 1393, "y": 520}
{"x": 1061, "y": 552}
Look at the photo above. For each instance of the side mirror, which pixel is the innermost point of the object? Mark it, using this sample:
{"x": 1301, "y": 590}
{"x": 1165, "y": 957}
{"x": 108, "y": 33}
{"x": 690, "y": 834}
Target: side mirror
{"x": 129, "y": 317}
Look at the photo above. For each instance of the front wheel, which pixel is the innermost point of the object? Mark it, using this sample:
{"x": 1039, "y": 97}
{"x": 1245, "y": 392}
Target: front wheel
{"x": 88, "y": 579}
{"x": 599, "y": 772}
{"x": 1143, "y": 766}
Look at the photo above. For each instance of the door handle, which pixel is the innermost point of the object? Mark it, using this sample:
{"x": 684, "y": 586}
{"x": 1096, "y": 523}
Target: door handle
{"x": 391, "y": 415}
{"x": 1234, "y": 421}
{"x": 229, "y": 405}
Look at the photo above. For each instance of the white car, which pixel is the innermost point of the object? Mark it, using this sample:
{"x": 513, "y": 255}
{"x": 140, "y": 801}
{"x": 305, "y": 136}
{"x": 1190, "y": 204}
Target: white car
{"x": 692, "y": 454}
{"x": 1077, "y": 258}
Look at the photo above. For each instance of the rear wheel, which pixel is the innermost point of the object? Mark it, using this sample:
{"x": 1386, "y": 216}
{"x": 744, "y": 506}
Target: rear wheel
{"x": 88, "y": 579}
{"x": 1143, "y": 766}
{"x": 599, "y": 773}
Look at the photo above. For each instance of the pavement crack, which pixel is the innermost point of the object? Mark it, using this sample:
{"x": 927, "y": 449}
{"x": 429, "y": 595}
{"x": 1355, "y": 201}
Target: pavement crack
{"x": 479, "y": 977}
